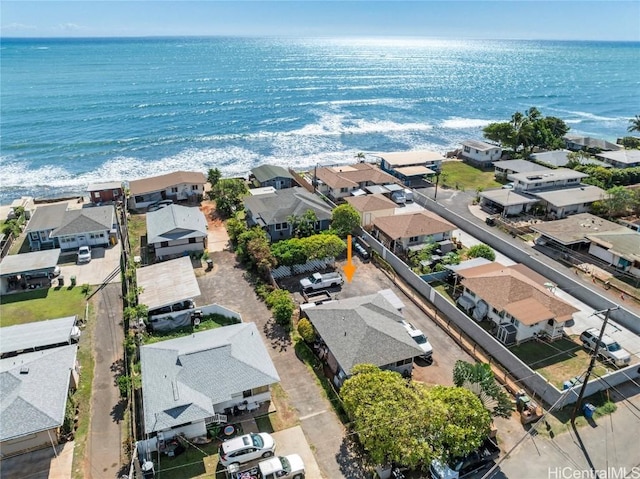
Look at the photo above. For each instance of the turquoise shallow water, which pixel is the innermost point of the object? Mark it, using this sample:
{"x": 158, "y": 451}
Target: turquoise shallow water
{"x": 80, "y": 110}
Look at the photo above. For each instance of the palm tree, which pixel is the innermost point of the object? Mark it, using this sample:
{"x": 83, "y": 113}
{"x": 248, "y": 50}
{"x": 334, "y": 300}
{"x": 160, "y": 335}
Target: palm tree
{"x": 634, "y": 124}
{"x": 360, "y": 157}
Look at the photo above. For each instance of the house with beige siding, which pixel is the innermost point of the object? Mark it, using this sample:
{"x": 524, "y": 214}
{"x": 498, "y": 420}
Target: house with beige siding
{"x": 339, "y": 182}
{"x": 176, "y": 186}
{"x": 370, "y": 207}
{"x": 403, "y": 233}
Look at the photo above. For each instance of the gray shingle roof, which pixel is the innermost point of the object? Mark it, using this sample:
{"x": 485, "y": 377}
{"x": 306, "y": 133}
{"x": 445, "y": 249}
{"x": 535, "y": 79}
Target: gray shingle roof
{"x": 365, "y": 329}
{"x": 519, "y": 166}
{"x": 183, "y": 379}
{"x": 34, "y": 401}
{"x": 175, "y": 222}
{"x": 572, "y": 196}
{"x": 47, "y": 217}
{"x": 278, "y": 206}
{"x": 36, "y": 335}
{"x": 86, "y": 220}
{"x": 269, "y": 172}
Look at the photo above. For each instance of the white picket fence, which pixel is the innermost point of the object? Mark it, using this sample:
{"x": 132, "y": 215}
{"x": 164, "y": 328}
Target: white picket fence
{"x": 312, "y": 265}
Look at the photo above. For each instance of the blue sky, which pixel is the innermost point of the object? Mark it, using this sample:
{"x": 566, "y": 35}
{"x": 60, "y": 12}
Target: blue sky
{"x": 559, "y": 19}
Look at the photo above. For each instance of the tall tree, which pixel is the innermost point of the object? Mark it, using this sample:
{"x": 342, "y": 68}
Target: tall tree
{"x": 228, "y": 194}
{"x": 634, "y": 124}
{"x": 305, "y": 225}
{"x": 479, "y": 379}
{"x": 213, "y": 176}
{"x": 410, "y": 423}
{"x": 344, "y": 220}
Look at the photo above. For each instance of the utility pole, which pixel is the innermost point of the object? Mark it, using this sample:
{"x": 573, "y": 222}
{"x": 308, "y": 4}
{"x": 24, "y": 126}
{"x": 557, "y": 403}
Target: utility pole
{"x": 594, "y": 355}
{"x": 435, "y": 195}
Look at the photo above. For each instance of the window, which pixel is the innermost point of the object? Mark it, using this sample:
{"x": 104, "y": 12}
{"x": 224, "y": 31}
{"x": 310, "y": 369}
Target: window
{"x": 174, "y": 189}
{"x": 115, "y": 192}
{"x": 96, "y": 194}
{"x": 246, "y": 394}
{"x": 281, "y": 226}
{"x": 192, "y": 240}
{"x": 194, "y": 187}
{"x": 34, "y": 235}
{"x": 413, "y": 239}
{"x": 404, "y": 361}
{"x": 344, "y": 190}
{"x": 515, "y": 322}
{"x": 139, "y": 199}
{"x": 467, "y": 149}
{"x": 260, "y": 390}
{"x": 164, "y": 244}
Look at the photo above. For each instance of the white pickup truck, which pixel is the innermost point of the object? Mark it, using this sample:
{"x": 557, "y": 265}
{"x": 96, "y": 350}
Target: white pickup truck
{"x": 608, "y": 349}
{"x": 280, "y": 467}
{"x": 321, "y": 281}
{"x": 421, "y": 339}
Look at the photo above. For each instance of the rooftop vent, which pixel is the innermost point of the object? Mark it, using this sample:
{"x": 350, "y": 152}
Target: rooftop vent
{"x": 24, "y": 370}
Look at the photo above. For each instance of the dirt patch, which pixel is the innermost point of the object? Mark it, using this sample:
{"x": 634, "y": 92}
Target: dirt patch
{"x": 214, "y": 220}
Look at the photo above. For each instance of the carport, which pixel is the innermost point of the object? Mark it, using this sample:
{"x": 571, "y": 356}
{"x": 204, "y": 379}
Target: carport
{"x": 167, "y": 283}
{"x": 28, "y": 270}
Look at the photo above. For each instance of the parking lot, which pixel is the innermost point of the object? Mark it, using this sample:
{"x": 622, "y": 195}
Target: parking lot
{"x": 104, "y": 261}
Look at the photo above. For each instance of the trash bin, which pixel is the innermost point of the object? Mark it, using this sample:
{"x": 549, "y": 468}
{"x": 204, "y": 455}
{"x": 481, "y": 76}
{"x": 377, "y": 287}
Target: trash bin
{"x": 209, "y": 264}
{"x": 73, "y": 280}
{"x": 588, "y": 409}
{"x": 60, "y": 280}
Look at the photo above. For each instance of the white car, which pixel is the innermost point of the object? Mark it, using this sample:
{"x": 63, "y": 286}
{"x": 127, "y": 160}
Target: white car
{"x": 246, "y": 448}
{"x": 84, "y": 254}
{"x": 420, "y": 338}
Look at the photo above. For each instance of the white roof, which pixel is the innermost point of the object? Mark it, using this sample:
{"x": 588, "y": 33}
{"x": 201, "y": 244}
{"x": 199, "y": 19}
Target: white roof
{"x": 480, "y": 145}
{"x": 546, "y": 175}
{"x": 621, "y": 156}
{"x": 506, "y": 197}
{"x": 393, "y": 299}
{"x": 36, "y": 335}
{"x": 408, "y": 158}
{"x": 167, "y": 283}
{"x": 572, "y": 196}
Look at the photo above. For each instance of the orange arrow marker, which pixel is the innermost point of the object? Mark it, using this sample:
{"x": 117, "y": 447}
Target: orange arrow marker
{"x": 349, "y": 268}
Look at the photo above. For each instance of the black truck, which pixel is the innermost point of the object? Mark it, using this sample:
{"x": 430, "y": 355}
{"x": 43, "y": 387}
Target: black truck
{"x": 482, "y": 458}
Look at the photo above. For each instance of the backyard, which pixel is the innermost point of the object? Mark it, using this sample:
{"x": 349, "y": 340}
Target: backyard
{"x": 462, "y": 176}
{"x": 558, "y": 361}
{"x": 137, "y": 226}
{"x": 41, "y": 304}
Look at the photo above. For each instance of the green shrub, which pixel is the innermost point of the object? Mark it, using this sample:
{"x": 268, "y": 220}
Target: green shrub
{"x": 282, "y": 307}
{"x": 607, "y": 408}
{"x": 305, "y": 329}
{"x": 85, "y": 289}
{"x": 263, "y": 290}
{"x": 124, "y": 383}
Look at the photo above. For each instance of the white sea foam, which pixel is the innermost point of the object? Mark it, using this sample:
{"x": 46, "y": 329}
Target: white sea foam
{"x": 456, "y": 123}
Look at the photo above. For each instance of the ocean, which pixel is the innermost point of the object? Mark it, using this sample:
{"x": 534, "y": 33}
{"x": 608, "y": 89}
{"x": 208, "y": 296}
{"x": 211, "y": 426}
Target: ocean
{"x": 75, "y": 111}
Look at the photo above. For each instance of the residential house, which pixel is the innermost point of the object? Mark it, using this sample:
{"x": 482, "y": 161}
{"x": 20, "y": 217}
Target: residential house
{"x": 506, "y": 202}
{"x": 568, "y": 201}
{"x": 411, "y": 166}
{"x": 559, "y": 158}
{"x": 364, "y": 329}
{"x": 108, "y": 192}
{"x": 188, "y": 382}
{"x": 518, "y": 297}
{"x": 339, "y": 182}
{"x": 621, "y": 249}
{"x": 591, "y": 145}
{"x": 35, "y": 390}
{"x": 274, "y": 211}
{"x": 31, "y": 337}
{"x": 546, "y": 179}
{"x": 480, "y": 153}
{"x": 89, "y": 226}
{"x": 621, "y": 158}
{"x": 19, "y": 272}
{"x": 176, "y": 186}
{"x": 27, "y": 203}
{"x": 508, "y": 167}
{"x": 572, "y": 232}
{"x": 271, "y": 175}
{"x": 44, "y": 220}
{"x": 410, "y": 232}
{"x": 370, "y": 207}
{"x": 176, "y": 230}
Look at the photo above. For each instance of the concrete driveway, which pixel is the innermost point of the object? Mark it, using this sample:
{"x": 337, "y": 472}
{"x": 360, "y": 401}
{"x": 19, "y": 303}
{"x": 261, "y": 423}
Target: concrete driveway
{"x": 103, "y": 262}
{"x": 40, "y": 464}
{"x": 293, "y": 441}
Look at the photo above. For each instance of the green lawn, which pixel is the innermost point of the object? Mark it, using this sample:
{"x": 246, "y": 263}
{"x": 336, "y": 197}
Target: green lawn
{"x": 137, "y": 225}
{"x": 462, "y": 176}
{"x": 41, "y": 304}
{"x": 558, "y": 361}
